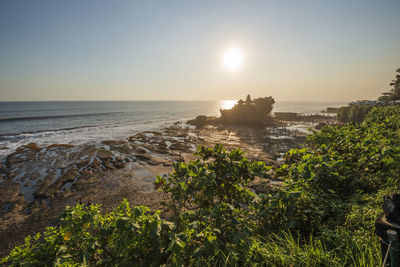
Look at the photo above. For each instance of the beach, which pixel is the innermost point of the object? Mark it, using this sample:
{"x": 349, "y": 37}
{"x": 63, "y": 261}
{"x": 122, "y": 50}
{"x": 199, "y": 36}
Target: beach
{"x": 38, "y": 180}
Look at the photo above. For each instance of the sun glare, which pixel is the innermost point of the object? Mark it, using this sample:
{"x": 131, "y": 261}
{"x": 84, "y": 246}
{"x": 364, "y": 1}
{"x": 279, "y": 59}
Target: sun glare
{"x": 227, "y": 104}
{"x": 232, "y": 59}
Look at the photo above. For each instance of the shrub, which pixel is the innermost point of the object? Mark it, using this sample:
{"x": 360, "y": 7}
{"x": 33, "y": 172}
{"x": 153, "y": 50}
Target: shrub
{"x": 213, "y": 192}
{"x": 335, "y": 181}
{"x": 353, "y": 113}
{"x": 323, "y": 215}
{"x": 388, "y": 117}
{"x": 123, "y": 237}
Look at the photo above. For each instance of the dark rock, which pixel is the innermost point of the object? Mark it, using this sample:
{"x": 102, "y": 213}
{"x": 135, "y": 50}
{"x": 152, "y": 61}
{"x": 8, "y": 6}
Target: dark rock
{"x": 391, "y": 207}
{"x": 119, "y": 164}
{"x": 39, "y": 196}
{"x": 105, "y": 155}
{"x": 69, "y": 177}
{"x": 251, "y": 112}
{"x": 30, "y": 146}
{"x": 332, "y": 110}
{"x": 389, "y": 220}
{"x": 5, "y": 207}
{"x": 179, "y": 146}
{"x": 113, "y": 142}
{"x": 202, "y": 120}
{"x": 19, "y": 156}
{"x": 142, "y": 157}
{"x": 139, "y": 150}
{"x": 108, "y": 165}
{"x": 3, "y": 172}
{"x": 286, "y": 116}
{"x": 60, "y": 146}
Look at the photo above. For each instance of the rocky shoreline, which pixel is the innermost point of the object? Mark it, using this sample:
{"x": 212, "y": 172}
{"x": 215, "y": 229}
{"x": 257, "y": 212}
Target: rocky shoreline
{"x": 37, "y": 182}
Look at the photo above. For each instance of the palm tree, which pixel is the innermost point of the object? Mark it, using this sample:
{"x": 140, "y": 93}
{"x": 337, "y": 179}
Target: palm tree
{"x": 394, "y": 93}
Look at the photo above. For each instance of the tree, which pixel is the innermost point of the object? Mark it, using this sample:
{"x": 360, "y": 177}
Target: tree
{"x": 394, "y": 93}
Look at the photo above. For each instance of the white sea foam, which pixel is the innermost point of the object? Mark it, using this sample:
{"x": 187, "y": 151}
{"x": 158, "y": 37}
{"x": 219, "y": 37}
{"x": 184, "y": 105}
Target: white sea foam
{"x": 90, "y": 122}
{"x": 80, "y": 136}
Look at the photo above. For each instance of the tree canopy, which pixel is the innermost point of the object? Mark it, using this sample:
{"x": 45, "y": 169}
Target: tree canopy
{"x": 394, "y": 92}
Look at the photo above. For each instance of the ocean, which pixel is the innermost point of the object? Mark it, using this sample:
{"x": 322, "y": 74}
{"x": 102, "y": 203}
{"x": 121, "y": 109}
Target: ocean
{"x": 79, "y": 122}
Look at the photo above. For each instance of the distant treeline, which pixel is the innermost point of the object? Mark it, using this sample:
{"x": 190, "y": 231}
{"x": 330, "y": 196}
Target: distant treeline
{"x": 357, "y": 112}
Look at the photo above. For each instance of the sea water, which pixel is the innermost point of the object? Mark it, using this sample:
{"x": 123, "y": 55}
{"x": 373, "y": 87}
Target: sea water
{"x": 79, "y": 122}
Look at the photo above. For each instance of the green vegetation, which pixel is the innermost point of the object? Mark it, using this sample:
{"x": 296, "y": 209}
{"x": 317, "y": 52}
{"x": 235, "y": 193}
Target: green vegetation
{"x": 323, "y": 215}
{"x": 256, "y": 112}
{"x": 356, "y": 113}
{"x": 353, "y": 113}
{"x": 394, "y": 93}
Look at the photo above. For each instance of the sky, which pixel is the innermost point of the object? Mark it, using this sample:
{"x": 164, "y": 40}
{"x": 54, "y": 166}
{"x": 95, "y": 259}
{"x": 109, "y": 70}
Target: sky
{"x": 173, "y": 50}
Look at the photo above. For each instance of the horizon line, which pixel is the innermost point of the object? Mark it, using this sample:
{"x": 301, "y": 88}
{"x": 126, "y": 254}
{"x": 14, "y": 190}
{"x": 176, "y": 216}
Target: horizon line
{"x": 168, "y": 100}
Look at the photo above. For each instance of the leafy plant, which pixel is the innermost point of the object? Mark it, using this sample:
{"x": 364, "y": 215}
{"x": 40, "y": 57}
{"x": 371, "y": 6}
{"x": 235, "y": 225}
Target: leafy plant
{"x": 353, "y": 113}
{"x": 212, "y": 193}
{"x": 323, "y": 215}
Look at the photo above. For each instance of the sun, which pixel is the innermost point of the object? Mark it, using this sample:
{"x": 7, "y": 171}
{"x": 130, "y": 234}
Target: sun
{"x": 232, "y": 58}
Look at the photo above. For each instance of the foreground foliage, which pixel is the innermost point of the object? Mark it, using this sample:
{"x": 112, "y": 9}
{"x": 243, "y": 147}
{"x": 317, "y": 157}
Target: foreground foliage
{"x": 323, "y": 215}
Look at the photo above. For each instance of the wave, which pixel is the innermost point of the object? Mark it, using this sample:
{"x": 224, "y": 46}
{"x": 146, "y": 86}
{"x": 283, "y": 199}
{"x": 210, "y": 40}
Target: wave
{"x": 47, "y": 132}
{"x": 23, "y": 135}
{"x": 55, "y": 116}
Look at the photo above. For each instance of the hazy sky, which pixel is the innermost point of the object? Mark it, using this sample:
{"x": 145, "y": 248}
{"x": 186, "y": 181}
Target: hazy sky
{"x": 172, "y": 50}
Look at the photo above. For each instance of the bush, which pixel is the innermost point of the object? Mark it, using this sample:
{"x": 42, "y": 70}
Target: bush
{"x": 212, "y": 194}
{"x": 334, "y": 187}
{"x": 388, "y": 117}
{"x": 353, "y": 113}
{"x": 123, "y": 237}
{"x": 213, "y": 216}
{"x": 323, "y": 215}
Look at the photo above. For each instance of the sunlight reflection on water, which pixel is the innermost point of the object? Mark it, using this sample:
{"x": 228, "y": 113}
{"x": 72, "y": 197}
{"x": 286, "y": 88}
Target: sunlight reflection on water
{"x": 227, "y": 104}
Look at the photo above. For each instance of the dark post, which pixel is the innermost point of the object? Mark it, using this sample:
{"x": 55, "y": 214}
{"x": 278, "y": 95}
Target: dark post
{"x": 394, "y": 248}
{"x": 387, "y": 227}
